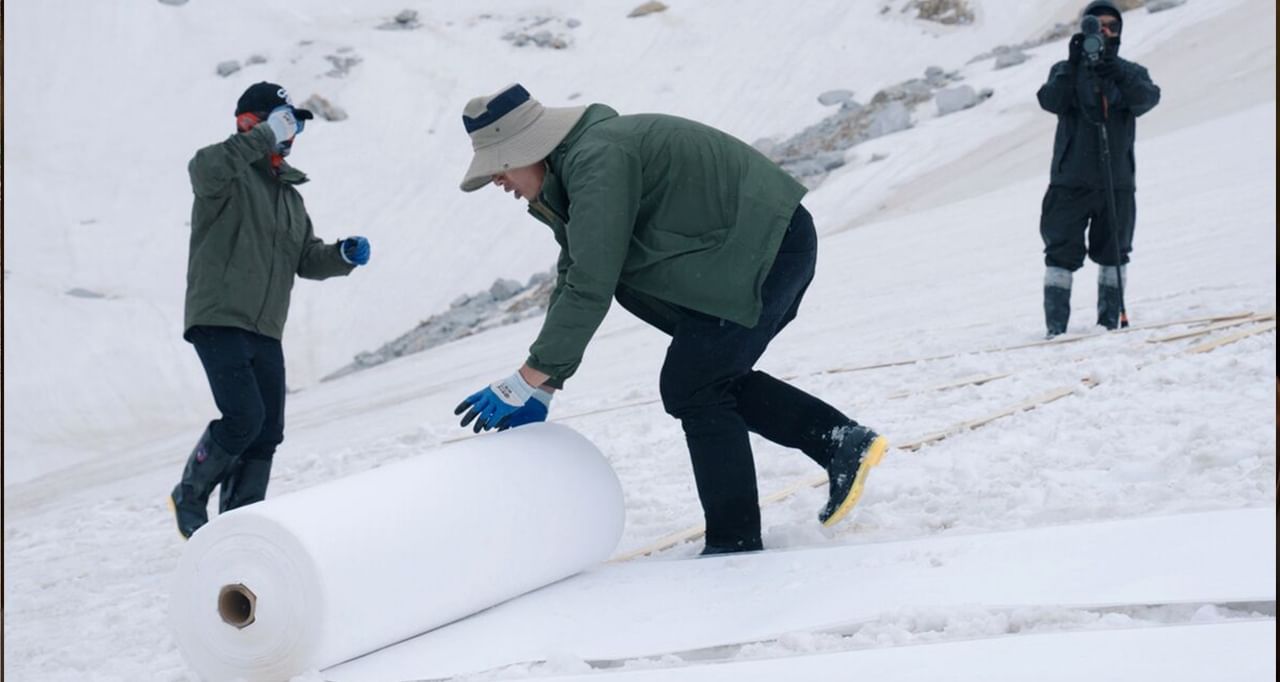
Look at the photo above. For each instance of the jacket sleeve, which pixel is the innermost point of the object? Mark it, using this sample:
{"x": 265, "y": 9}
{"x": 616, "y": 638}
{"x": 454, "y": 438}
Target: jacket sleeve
{"x": 1138, "y": 93}
{"x": 562, "y": 269}
{"x": 603, "y": 184}
{"x": 213, "y": 168}
{"x": 320, "y": 260}
{"x": 1057, "y": 95}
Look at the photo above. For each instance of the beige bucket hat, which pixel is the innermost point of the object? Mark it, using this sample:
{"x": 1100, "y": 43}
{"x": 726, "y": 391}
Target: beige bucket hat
{"x": 510, "y": 129}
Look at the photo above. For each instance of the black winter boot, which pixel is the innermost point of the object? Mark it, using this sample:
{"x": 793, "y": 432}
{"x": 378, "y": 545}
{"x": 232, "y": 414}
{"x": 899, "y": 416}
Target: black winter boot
{"x": 206, "y": 466}
{"x": 858, "y": 449}
{"x": 246, "y": 484}
{"x": 740, "y": 546}
{"x": 1109, "y": 295}
{"x": 1057, "y": 300}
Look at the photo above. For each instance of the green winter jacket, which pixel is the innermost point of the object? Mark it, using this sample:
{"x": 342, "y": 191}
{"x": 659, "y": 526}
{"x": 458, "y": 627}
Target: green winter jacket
{"x": 669, "y": 208}
{"x": 250, "y": 234}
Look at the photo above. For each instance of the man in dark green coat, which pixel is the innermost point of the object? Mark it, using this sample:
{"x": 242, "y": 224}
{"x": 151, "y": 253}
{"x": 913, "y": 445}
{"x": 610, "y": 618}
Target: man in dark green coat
{"x": 1087, "y": 91}
{"x": 250, "y": 235}
{"x": 697, "y": 234}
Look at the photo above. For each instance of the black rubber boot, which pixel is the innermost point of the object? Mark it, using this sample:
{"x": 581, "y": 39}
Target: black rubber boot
{"x": 246, "y": 484}
{"x": 206, "y": 467}
{"x": 858, "y": 450}
{"x": 741, "y": 546}
{"x": 1057, "y": 301}
{"x": 1109, "y": 296}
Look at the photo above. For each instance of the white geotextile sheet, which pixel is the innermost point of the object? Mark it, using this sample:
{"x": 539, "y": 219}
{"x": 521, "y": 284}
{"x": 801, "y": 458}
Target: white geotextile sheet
{"x": 1239, "y": 652}
{"x": 652, "y": 607}
{"x": 347, "y": 567}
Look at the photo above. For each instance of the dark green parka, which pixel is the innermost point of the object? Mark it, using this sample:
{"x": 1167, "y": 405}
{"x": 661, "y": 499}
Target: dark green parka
{"x": 671, "y": 209}
{"x": 250, "y": 234}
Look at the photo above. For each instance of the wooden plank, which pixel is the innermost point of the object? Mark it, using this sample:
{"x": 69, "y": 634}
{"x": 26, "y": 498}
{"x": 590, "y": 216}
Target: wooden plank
{"x": 1057, "y": 340}
{"x": 976, "y": 380}
{"x": 1217, "y": 343}
{"x": 695, "y": 532}
{"x": 1213, "y": 328}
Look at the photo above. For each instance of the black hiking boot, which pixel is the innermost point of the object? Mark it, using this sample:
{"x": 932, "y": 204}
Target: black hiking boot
{"x": 189, "y": 500}
{"x": 858, "y": 449}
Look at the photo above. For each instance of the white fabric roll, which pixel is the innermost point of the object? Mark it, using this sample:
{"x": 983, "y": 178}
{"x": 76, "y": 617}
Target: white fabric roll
{"x": 347, "y": 567}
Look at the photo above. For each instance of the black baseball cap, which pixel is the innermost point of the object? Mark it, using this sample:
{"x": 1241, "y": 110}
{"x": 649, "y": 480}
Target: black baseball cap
{"x": 263, "y": 97}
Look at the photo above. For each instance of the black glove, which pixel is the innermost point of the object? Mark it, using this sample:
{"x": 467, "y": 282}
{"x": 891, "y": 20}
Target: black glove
{"x": 1075, "y": 48}
{"x": 1109, "y": 68}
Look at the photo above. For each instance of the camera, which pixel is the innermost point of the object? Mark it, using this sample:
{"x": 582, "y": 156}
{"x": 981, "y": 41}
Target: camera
{"x": 1094, "y": 41}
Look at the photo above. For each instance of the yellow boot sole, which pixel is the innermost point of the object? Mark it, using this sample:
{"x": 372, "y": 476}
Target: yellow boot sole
{"x": 872, "y": 458}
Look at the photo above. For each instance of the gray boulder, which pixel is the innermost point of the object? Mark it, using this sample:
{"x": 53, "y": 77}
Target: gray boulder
{"x": 504, "y": 289}
{"x": 891, "y": 118}
{"x": 955, "y": 99}
{"x": 831, "y": 97}
{"x": 324, "y": 108}
{"x": 647, "y": 8}
{"x": 1012, "y": 57}
{"x": 228, "y": 67}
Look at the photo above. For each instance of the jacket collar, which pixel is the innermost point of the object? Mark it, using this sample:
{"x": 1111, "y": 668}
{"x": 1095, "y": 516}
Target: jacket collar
{"x": 593, "y": 115}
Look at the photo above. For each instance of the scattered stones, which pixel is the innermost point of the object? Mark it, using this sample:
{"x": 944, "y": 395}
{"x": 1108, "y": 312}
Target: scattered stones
{"x": 228, "y": 67}
{"x": 948, "y": 12}
{"x": 831, "y": 97}
{"x": 255, "y": 59}
{"x": 342, "y": 62}
{"x": 540, "y": 32}
{"x": 406, "y": 20}
{"x": 324, "y": 108}
{"x": 505, "y": 302}
{"x": 647, "y": 8}
{"x": 820, "y": 148}
{"x": 1154, "y": 6}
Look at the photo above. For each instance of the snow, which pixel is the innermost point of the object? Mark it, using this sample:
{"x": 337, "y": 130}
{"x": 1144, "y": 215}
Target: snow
{"x": 931, "y": 251}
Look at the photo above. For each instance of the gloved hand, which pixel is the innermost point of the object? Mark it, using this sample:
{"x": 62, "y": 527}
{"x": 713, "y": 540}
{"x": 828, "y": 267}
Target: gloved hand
{"x": 534, "y": 410}
{"x": 284, "y": 125}
{"x": 492, "y": 406}
{"x": 1075, "y": 48}
{"x": 355, "y": 250}
{"x": 1109, "y": 68}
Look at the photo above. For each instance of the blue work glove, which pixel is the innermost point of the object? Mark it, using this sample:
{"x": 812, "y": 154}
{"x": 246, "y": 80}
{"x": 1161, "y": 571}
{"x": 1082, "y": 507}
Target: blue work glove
{"x": 492, "y": 406}
{"x": 355, "y": 250}
{"x": 534, "y": 410}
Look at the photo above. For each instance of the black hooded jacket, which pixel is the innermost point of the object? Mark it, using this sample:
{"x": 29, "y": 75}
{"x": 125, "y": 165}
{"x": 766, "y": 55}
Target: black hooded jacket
{"x": 1075, "y": 93}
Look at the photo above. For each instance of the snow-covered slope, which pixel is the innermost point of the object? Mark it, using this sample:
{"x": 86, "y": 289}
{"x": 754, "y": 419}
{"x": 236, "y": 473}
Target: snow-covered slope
{"x": 105, "y": 102}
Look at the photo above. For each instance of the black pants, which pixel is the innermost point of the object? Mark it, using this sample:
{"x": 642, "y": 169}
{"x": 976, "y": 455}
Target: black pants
{"x": 246, "y": 374}
{"x": 707, "y": 382}
{"x": 1067, "y": 214}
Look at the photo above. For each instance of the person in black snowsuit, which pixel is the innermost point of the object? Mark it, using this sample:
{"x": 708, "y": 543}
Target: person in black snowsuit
{"x": 1085, "y": 93}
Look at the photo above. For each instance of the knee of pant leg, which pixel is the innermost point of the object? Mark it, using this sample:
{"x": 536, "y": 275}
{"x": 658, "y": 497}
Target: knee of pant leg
{"x": 240, "y": 429}
{"x": 676, "y": 394}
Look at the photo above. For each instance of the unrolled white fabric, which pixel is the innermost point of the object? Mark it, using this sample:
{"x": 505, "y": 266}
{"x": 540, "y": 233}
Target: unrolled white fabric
{"x": 350, "y": 566}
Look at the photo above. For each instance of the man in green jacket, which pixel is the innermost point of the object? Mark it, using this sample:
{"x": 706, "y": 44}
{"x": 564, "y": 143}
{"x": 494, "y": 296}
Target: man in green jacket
{"x": 250, "y": 234}
{"x": 700, "y": 236}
